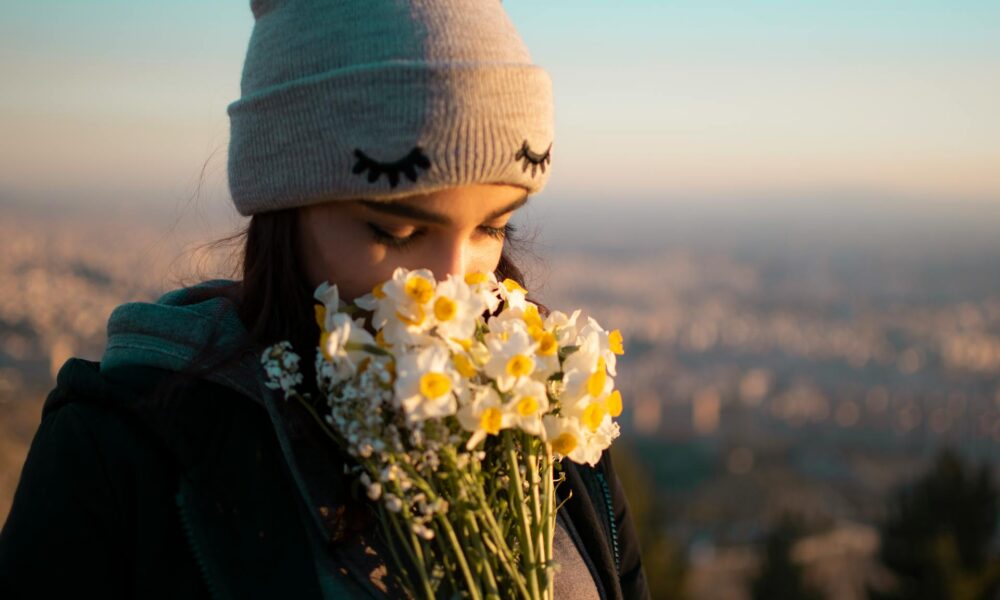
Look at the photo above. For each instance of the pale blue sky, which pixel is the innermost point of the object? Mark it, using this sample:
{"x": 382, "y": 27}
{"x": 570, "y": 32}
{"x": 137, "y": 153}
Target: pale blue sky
{"x": 655, "y": 100}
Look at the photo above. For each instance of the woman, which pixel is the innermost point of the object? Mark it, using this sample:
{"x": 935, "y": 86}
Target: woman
{"x": 369, "y": 135}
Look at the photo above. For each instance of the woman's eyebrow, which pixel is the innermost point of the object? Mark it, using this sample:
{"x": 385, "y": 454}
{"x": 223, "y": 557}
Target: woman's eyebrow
{"x": 509, "y": 208}
{"x": 412, "y": 211}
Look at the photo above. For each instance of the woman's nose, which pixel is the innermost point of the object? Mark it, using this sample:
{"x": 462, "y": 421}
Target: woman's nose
{"x": 450, "y": 258}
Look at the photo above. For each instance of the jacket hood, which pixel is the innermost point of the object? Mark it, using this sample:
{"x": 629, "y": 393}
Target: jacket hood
{"x": 172, "y": 332}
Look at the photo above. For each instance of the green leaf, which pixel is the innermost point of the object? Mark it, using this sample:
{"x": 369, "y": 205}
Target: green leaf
{"x": 566, "y": 351}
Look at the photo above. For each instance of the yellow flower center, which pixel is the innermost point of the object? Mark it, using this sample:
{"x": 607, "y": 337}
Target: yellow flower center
{"x": 519, "y": 365}
{"x": 615, "y": 342}
{"x": 464, "y": 365}
{"x": 547, "y": 345}
{"x": 614, "y": 404}
{"x": 490, "y": 421}
{"x": 564, "y": 443}
{"x": 531, "y": 316}
{"x": 465, "y": 343}
{"x": 320, "y": 311}
{"x": 475, "y": 278}
{"x": 596, "y": 381}
{"x": 593, "y": 415}
{"x": 419, "y": 289}
{"x": 415, "y": 320}
{"x": 527, "y": 406}
{"x": 445, "y": 309}
{"x": 511, "y": 286}
{"x": 380, "y": 339}
{"x": 433, "y": 385}
{"x": 378, "y": 292}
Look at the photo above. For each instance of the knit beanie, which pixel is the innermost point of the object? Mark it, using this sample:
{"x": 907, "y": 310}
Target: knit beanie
{"x": 381, "y": 99}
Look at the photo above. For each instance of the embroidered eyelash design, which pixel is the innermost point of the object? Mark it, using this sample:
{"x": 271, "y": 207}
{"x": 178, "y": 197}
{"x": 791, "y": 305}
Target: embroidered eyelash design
{"x": 407, "y": 165}
{"x": 532, "y": 158}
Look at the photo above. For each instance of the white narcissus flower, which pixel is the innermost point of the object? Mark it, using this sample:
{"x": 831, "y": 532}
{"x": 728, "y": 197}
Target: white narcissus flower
{"x": 608, "y": 343}
{"x": 329, "y": 299}
{"x": 426, "y": 383}
{"x": 483, "y": 415}
{"x": 345, "y": 339}
{"x": 596, "y": 414}
{"x": 585, "y": 375}
{"x": 327, "y": 294}
{"x": 464, "y": 364}
{"x": 403, "y": 309}
{"x": 456, "y": 309}
{"x": 485, "y": 286}
{"x": 523, "y": 310}
{"x": 513, "y": 294}
{"x": 511, "y": 356}
{"x": 564, "y": 326}
{"x": 567, "y": 439}
{"x": 526, "y": 406}
{"x": 584, "y": 358}
{"x": 547, "y": 353}
{"x": 386, "y": 296}
{"x": 605, "y": 434}
{"x": 526, "y": 316}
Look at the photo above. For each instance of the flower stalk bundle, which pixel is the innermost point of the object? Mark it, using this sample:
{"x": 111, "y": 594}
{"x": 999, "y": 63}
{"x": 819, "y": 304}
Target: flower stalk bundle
{"x": 457, "y": 411}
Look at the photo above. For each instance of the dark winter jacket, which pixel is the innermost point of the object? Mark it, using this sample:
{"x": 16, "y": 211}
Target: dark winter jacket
{"x": 122, "y": 496}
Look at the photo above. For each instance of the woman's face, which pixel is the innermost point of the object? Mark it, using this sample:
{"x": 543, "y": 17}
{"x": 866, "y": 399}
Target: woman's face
{"x": 356, "y": 244}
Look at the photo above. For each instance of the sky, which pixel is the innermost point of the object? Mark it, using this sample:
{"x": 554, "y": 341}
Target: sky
{"x": 655, "y": 101}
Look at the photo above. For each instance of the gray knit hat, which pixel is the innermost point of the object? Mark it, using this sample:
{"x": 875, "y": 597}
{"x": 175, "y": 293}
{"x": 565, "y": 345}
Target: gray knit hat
{"x": 383, "y": 99}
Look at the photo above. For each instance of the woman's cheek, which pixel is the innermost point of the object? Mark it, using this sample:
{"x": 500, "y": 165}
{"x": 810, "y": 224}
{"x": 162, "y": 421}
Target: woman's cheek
{"x": 345, "y": 262}
{"x": 486, "y": 257}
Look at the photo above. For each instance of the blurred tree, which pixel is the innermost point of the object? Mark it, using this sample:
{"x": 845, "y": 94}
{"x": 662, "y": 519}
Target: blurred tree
{"x": 779, "y": 576}
{"x": 663, "y": 560}
{"x": 939, "y": 538}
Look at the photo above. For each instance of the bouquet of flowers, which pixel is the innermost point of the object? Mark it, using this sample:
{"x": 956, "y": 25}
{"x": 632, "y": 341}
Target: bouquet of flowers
{"x": 457, "y": 411}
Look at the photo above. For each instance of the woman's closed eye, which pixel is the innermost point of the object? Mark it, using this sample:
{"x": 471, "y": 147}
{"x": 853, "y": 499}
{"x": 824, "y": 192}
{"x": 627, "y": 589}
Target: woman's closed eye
{"x": 381, "y": 236}
{"x": 499, "y": 233}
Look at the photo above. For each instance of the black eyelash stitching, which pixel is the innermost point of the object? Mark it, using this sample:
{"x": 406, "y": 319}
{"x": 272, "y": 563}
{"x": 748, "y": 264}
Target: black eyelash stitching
{"x": 533, "y": 158}
{"x": 407, "y": 165}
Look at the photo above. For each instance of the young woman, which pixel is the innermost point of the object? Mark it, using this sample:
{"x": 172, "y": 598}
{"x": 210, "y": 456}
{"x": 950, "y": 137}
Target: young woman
{"x": 369, "y": 135}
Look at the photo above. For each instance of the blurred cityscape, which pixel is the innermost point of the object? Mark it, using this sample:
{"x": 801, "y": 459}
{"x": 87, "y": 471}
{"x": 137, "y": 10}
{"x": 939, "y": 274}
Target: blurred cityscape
{"x": 768, "y": 369}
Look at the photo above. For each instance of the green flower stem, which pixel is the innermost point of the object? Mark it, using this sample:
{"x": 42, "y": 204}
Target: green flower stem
{"x": 459, "y": 553}
{"x": 504, "y": 550}
{"x": 496, "y": 535}
{"x": 416, "y": 555}
{"x": 369, "y": 348}
{"x": 500, "y": 537}
{"x": 524, "y": 532}
{"x": 460, "y": 556}
{"x": 537, "y": 526}
{"x": 447, "y": 562}
{"x": 493, "y": 591}
{"x": 550, "y": 512}
{"x": 385, "y": 518}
